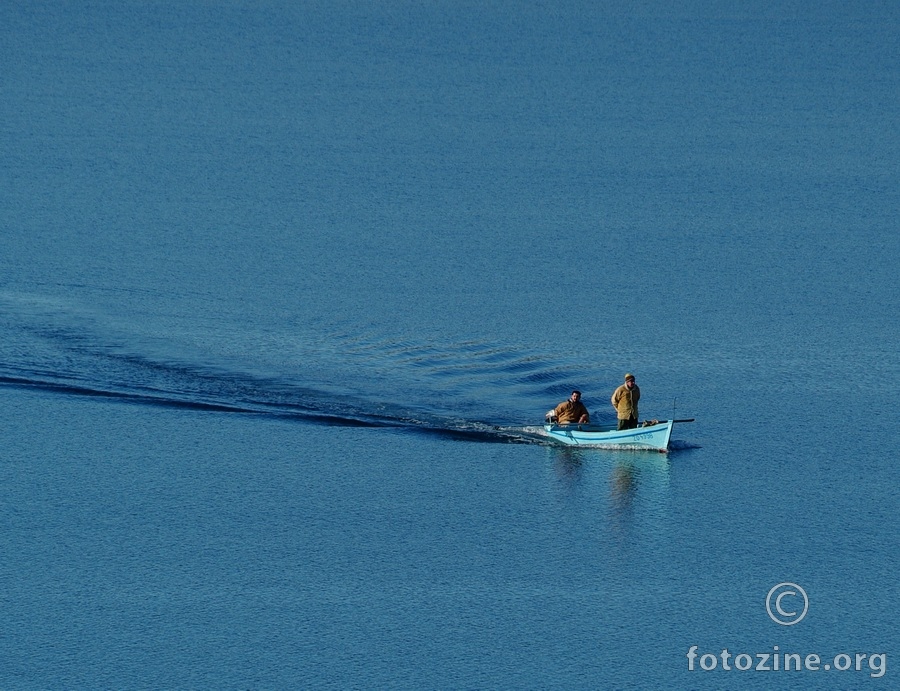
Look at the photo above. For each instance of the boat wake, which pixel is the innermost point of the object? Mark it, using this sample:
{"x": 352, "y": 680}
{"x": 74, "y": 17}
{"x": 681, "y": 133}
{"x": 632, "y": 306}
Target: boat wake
{"x": 468, "y": 391}
{"x": 682, "y": 445}
{"x": 316, "y": 373}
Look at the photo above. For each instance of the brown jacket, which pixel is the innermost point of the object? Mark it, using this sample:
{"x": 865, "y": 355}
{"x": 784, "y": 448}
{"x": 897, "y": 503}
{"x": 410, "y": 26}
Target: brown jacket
{"x": 625, "y": 401}
{"x": 570, "y": 412}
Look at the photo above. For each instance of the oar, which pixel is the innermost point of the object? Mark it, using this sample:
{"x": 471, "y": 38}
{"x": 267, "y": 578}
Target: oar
{"x": 690, "y": 419}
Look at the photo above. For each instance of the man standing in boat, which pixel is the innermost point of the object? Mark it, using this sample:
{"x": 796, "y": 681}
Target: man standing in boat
{"x": 572, "y": 410}
{"x": 625, "y": 401}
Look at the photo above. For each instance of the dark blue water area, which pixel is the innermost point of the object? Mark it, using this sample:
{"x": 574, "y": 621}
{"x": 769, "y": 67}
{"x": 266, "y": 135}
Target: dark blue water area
{"x": 286, "y": 289}
{"x": 168, "y": 547}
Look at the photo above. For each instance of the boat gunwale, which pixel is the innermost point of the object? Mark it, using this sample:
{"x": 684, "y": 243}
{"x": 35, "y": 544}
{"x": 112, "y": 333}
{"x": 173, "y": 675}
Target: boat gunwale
{"x": 587, "y": 434}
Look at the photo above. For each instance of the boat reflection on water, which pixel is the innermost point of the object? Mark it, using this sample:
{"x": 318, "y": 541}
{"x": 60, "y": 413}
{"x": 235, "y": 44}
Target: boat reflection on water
{"x": 625, "y": 483}
{"x": 567, "y": 464}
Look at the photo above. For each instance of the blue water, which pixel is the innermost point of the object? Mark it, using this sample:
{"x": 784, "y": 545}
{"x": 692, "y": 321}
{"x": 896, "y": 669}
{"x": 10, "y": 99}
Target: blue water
{"x": 286, "y": 288}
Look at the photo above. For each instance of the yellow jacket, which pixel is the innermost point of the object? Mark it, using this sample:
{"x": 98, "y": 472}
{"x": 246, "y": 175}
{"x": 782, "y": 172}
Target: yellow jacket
{"x": 625, "y": 401}
{"x": 570, "y": 412}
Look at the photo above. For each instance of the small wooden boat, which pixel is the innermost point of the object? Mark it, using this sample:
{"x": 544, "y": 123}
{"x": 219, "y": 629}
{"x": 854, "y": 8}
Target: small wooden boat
{"x": 653, "y": 435}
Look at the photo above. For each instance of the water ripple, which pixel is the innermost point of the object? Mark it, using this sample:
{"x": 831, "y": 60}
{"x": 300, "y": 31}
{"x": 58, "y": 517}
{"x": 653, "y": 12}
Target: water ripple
{"x": 470, "y": 390}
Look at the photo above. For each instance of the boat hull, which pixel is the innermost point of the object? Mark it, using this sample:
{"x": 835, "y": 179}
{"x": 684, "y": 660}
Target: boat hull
{"x": 653, "y": 437}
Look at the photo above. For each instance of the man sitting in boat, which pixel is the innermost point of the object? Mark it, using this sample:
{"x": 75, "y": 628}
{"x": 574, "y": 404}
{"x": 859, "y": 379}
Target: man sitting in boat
{"x": 625, "y": 401}
{"x": 571, "y": 411}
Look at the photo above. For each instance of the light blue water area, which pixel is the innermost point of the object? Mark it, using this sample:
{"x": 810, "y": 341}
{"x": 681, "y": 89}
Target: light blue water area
{"x": 285, "y": 290}
{"x": 266, "y": 553}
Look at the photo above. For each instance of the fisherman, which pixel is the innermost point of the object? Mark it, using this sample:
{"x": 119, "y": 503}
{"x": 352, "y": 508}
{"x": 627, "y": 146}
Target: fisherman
{"x": 572, "y": 410}
{"x": 625, "y": 401}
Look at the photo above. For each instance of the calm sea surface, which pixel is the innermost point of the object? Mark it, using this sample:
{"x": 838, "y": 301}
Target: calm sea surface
{"x": 285, "y": 289}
